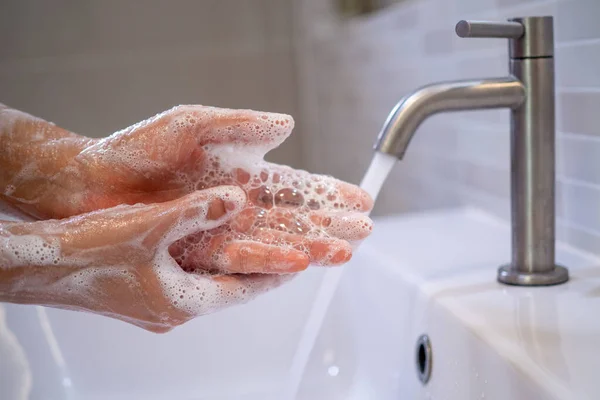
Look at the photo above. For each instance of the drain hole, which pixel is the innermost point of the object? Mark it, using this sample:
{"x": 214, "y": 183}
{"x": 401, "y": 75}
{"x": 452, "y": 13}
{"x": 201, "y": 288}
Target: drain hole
{"x": 423, "y": 358}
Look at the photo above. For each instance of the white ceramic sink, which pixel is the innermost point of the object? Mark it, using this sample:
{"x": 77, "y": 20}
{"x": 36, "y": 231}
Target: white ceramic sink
{"x": 435, "y": 274}
{"x": 430, "y": 273}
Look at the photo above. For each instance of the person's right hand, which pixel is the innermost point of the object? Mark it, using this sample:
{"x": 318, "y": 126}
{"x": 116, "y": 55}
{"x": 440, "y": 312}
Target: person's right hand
{"x": 292, "y": 218}
{"x": 115, "y": 262}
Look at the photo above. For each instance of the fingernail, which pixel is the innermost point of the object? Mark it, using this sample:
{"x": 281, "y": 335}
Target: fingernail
{"x": 341, "y": 257}
{"x": 330, "y": 252}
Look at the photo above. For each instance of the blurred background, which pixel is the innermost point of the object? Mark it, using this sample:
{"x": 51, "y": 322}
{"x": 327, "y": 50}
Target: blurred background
{"x": 337, "y": 66}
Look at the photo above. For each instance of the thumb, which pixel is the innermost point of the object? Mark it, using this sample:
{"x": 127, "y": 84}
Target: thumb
{"x": 153, "y": 224}
{"x": 202, "y": 210}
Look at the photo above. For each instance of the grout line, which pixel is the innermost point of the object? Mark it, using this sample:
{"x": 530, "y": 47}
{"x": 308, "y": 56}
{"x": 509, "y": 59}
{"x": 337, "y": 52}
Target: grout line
{"x": 570, "y": 224}
{"x": 578, "y": 89}
{"x": 578, "y": 136}
{"x": 577, "y": 42}
{"x": 576, "y": 182}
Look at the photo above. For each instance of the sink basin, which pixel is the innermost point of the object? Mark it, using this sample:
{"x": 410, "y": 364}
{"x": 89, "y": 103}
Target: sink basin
{"x": 434, "y": 274}
{"x": 431, "y": 273}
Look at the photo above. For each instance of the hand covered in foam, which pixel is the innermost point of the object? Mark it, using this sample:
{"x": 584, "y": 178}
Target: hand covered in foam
{"x": 291, "y": 218}
{"x": 116, "y": 262}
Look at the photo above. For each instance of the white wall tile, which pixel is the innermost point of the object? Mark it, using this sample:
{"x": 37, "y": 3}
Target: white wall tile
{"x": 468, "y": 8}
{"x": 578, "y": 19}
{"x": 579, "y": 237}
{"x": 577, "y": 65}
{"x": 579, "y": 112}
{"x": 581, "y": 204}
{"x": 492, "y": 181}
{"x": 498, "y": 206}
{"x": 482, "y": 145}
{"x": 580, "y": 159}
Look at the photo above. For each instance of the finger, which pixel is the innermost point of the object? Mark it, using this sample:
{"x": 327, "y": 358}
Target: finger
{"x": 202, "y": 294}
{"x": 356, "y": 198}
{"x": 214, "y": 125}
{"x": 242, "y": 256}
{"x": 349, "y": 226}
{"x": 335, "y": 194}
{"x": 207, "y": 294}
{"x": 322, "y": 251}
{"x": 250, "y": 257}
{"x": 170, "y": 135}
{"x": 204, "y": 210}
{"x": 33, "y": 153}
{"x": 244, "y": 287}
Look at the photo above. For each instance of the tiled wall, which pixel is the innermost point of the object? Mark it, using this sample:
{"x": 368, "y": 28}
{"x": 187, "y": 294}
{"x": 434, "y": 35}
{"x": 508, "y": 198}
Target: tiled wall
{"x": 352, "y": 73}
{"x": 98, "y": 66}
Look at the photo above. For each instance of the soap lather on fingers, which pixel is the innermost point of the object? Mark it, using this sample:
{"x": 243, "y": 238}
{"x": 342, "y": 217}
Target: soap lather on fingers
{"x": 271, "y": 221}
{"x": 298, "y": 212}
{"x": 290, "y": 214}
{"x": 114, "y": 262}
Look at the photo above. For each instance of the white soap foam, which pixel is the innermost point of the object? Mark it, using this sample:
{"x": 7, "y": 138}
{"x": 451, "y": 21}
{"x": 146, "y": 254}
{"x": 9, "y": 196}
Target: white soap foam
{"x": 29, "y": 250}
{"x": 282, "y": 198}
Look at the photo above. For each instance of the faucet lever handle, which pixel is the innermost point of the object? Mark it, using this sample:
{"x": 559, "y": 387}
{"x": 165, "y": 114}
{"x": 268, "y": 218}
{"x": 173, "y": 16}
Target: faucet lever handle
{"x": 485, "y": 29}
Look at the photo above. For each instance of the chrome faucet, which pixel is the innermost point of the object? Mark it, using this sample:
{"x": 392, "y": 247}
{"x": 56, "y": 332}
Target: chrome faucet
{"x": 528, "y": 91}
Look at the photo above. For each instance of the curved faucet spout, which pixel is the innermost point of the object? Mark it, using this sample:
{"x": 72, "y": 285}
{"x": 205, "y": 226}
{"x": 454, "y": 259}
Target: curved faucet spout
{"x": 412, "y": 110}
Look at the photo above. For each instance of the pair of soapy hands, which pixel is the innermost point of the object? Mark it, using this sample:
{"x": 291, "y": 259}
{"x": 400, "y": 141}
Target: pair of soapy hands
{"x": 171, "y": 218}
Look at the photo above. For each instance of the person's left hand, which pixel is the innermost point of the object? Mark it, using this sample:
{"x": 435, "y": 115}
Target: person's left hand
{"x": 115, "y": 262}
{"x": 291, "y": 218}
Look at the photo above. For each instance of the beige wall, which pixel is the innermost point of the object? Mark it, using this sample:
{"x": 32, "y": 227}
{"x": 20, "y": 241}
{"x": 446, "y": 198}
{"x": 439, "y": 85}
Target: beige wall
{"x": 352, "y": 74}
{"x": 99, "y": 66}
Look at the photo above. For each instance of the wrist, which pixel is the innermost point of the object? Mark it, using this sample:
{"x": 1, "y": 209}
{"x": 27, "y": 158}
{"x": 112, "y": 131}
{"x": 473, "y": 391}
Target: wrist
{"x": 38, "y": 170}
{"x": 29, "y": 264}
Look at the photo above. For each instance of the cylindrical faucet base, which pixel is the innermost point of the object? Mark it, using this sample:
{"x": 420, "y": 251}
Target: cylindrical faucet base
{"x": 533, "y": 179}
{"x": 511, "y": 276}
